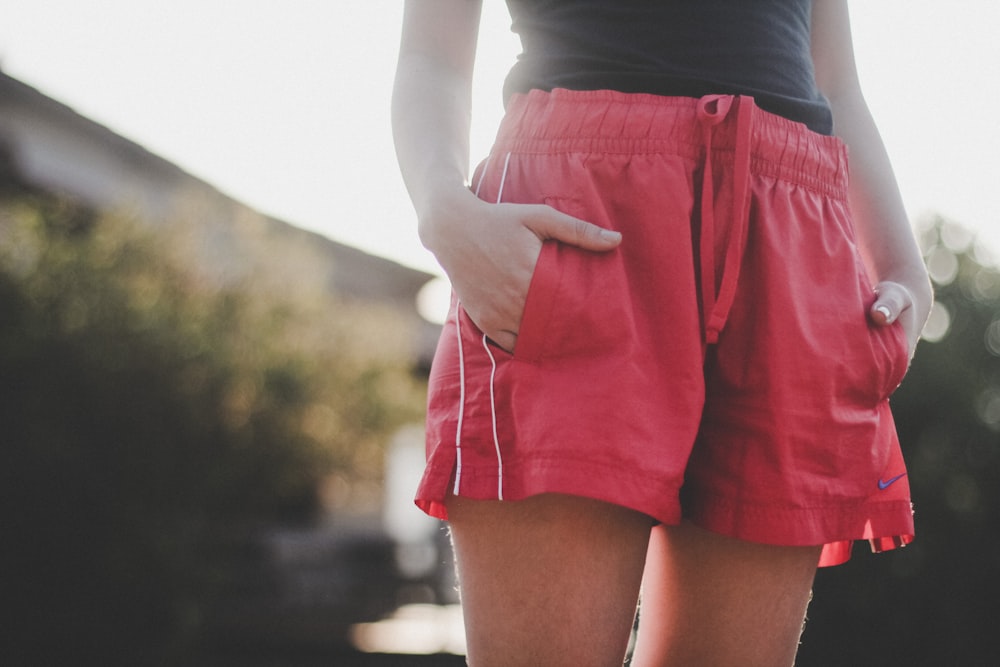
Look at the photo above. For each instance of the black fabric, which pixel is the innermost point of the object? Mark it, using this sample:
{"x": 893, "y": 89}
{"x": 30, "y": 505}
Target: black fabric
{"x": 672, "y": 47}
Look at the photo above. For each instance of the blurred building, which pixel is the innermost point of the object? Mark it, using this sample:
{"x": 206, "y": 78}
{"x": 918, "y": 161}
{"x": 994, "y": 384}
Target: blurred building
{"x": 46, "y": 145}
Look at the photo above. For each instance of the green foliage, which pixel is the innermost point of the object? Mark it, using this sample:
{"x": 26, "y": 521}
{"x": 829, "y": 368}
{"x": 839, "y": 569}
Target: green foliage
{"x": 150, "y": 422}
{"x": 935, "y": 602}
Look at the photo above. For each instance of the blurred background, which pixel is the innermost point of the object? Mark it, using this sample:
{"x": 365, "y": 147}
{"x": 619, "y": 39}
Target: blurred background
{"x": 216, "y": 322}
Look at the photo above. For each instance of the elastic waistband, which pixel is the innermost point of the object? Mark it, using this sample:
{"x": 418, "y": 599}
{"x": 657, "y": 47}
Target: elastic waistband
{"x": 606, "y": 121}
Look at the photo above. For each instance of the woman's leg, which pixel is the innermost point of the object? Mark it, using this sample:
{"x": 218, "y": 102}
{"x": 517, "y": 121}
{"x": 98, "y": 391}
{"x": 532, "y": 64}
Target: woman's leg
{"x": 551, "y": 580}
{"x": 714, "y": 601}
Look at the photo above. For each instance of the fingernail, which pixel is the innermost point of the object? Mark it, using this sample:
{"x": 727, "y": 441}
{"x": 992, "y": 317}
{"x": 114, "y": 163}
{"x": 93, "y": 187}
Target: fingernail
{"x": 885, "y": 312}
{"x": 610, "y": 235}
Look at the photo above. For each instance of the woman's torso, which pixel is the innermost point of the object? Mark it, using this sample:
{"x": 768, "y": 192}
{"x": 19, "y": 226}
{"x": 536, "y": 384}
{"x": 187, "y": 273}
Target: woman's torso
{"x": 672, "y": 47}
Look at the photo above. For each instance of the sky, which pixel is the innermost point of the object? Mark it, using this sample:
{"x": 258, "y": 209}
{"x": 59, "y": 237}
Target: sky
{"x": 285, "y": 105}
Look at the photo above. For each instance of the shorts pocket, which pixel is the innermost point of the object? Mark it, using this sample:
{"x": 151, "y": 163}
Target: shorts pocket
{"x": 577, "y": 306}
{"x": 890, "y": 349}
{"x": 539, "y": 305}
{"x": 892, "y": 355}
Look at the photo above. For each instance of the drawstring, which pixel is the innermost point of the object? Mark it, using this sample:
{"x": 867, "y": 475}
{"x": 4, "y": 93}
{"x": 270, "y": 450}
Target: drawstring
{"x": 712, "y": 110}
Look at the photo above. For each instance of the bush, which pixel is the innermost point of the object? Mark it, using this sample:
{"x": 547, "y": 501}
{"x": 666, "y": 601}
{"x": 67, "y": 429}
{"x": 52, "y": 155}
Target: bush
{"x": 150, "y": 423}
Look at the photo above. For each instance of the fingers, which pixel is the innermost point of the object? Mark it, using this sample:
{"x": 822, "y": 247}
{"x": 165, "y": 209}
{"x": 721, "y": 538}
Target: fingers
{"x": 548, "y": 223}
{"x": 505, "y": 340}
{"x": 491, "y": 269}
{"x": 495, "y": 317}
{"x": 892, "y": 299}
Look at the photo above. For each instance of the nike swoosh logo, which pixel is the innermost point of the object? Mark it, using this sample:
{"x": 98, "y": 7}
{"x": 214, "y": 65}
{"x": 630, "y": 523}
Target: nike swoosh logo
{"x": 883, "y": 485}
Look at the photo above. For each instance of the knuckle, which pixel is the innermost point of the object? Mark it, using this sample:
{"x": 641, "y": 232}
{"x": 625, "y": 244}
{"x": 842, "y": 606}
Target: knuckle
{"x": 580, "y": 231}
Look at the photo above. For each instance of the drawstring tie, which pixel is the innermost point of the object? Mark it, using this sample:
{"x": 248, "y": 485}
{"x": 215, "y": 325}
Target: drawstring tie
{"x": 713, "y": 110}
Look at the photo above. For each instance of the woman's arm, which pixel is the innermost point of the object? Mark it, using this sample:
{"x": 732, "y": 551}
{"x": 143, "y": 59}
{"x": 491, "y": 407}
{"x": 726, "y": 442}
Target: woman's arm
{"x": 884, "y": 233}
{"x": 431, "y": 103}
{"x": 488, "y": 250}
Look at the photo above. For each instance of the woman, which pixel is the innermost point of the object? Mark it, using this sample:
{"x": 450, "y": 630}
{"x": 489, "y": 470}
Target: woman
{"x": 675, "y": 328}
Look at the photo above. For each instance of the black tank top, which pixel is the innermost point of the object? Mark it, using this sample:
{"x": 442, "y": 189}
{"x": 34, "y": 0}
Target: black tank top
{"x": 672, "y": 47}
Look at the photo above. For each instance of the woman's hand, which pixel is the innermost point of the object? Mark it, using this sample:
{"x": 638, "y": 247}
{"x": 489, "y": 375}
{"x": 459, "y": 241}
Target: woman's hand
{"x": 910, "y": 307}
{"x": 489, "y": 252}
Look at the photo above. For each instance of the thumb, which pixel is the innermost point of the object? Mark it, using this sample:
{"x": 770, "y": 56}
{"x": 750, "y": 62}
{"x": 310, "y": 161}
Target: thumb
{"x": 553, "y": 224}
{"x": 890, "y": 301}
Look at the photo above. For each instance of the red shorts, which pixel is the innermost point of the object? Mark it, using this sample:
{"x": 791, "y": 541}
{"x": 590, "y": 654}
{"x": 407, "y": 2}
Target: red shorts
{"x": 719, "y": 365}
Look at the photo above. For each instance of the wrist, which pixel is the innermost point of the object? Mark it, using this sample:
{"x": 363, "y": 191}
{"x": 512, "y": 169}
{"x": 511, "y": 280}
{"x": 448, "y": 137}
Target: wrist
{"x": 445, "y": 204}
{"x": 919, "y": 293}
{"x": 917, "y": 282}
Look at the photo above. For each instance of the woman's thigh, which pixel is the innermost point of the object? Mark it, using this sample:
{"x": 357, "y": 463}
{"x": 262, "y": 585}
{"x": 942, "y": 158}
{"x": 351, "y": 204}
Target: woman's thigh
{"x": 715, "y": 601}
{"x": 550, "y": 580}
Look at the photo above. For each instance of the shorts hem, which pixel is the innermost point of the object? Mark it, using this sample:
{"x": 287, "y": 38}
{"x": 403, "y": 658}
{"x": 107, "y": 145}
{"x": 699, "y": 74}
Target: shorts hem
{"x": 626, "y": 488}
{"x": 885, "y": 525}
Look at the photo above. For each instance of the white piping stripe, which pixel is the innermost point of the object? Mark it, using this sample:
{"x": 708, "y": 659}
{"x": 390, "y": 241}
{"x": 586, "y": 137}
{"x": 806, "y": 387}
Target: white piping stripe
{"x": 482, "y": 174}
{"x": 493, "y": 361}
{"x": 461, "y": 368}
{"x": 461, "y": 400}
{"x": 493, "y": 412}
{"x": 503, "y": 177}
{"x": 461, "y": 363}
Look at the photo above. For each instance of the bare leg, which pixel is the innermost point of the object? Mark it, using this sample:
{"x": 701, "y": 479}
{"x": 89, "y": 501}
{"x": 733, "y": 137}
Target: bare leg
{"x": 713, "y": 601}
{"x": 552, "y": 580}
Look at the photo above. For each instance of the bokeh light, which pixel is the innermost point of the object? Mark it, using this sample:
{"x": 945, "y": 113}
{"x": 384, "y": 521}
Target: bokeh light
{"x": 942, "y": 264}
{"x": 992, "y": 338}
{"x": 938, "y": 323}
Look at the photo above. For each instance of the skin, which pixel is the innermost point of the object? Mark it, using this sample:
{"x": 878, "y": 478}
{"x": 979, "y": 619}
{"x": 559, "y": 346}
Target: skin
{"x": 884, "y": 233}
{"x": 554, "y": 579}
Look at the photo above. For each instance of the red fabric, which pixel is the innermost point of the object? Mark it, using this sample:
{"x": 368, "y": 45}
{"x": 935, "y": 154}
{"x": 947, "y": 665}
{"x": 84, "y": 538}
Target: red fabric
{"x": 719, "y": 365}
